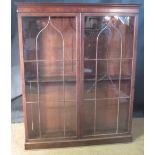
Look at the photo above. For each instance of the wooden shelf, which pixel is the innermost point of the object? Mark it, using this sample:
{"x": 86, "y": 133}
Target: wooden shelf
{"x": 90, "y": 77}
{"x": 51, "y": 61}
{"x": 107, "y": 59}
{"x": 53, "y": 79}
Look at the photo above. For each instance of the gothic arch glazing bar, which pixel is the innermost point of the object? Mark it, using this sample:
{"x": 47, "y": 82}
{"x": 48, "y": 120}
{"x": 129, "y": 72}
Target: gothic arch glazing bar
{"x": 108, "y": 26}
{"x": 49, "y": 23}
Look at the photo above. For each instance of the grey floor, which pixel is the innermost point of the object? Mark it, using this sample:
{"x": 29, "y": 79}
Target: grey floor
{"x": 17, "y": 115}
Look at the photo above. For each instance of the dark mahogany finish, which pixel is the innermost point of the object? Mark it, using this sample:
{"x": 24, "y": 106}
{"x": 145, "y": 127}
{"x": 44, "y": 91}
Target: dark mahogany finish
{"x": 78, "y": 71}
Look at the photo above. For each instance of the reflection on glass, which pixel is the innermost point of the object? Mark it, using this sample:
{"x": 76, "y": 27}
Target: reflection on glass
{"x": 89, "y": 89}
{"x": 55, "y": 128}
{"x": 30, "y": 71}
{"x": 126, "y": 68}
{"x": 31, "y": 92}
{"x": 106, "y": 116}
{"x": 107, "y": 89}
{"x": 88, "y": 117}
{"x": 123, "y": 115}
{"x": 33, "y": 120}
{"x": 109, "y": 39}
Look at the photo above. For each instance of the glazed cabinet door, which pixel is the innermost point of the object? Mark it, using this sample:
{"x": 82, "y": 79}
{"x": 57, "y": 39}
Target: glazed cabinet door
{"x": 106, "y": 73}
{"x": 51, "y": 66}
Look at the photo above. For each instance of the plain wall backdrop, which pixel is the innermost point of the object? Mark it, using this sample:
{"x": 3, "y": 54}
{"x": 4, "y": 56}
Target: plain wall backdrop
{"x": 16, "y": 88}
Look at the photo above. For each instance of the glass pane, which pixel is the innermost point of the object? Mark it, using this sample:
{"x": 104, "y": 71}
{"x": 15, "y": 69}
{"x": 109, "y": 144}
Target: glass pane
{"x": 106, "y": 116}
{"x": 125, "y": 82}
{"x": 107, "y": 78}
{"x": 70, "y": 119}
{"x": 107, "y": 89}
{"x": 126, "y": 69}
{"x": 52, "y": 119}
{"x": 88, "y": 117}
{"x": 70, "y": 91}
{"x": 50, "y": 70}
{"x": 32, "y": 120}
{"x": 89, "y": 89}
{"x": 125, "y": 88}
{"x": 109, "y": 69}
{"x": 70, "y": 69}
{"x": 89, "y": 69}
{"x": 108, "y": 37}
{"x": 31, "y": 90}
{"x": 49, "y": 41}
{"x": 30, "y": 71}
{"x": 30, "y": 31}
{"x": 103, "y": 83}
{"x": 58, "y": 119}
{"x": 89, "y": 46}
{"x": 51, "y": 91}
{"x": 53, "y": 70}
{"x": 123, "y": 114}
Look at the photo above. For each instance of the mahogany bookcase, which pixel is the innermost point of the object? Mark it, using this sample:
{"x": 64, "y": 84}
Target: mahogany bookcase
{"x": 78, "y": 71}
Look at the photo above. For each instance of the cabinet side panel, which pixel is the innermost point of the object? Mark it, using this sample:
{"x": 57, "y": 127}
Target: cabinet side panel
{"x": 133, "y": 72}
{"x": 20, "y": 35}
